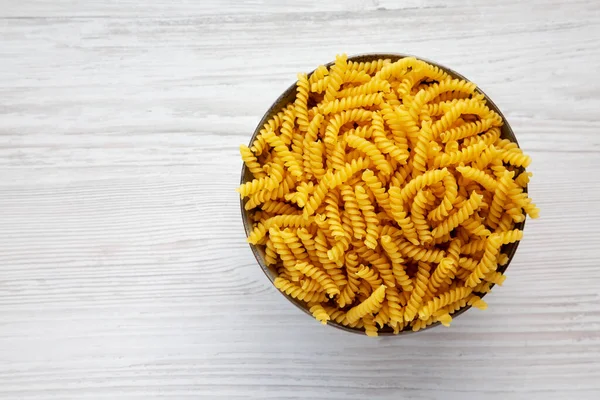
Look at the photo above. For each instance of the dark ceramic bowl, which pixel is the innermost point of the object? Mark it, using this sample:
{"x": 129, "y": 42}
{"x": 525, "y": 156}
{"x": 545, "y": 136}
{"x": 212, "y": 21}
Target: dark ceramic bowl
{"x": 288, "y": 96}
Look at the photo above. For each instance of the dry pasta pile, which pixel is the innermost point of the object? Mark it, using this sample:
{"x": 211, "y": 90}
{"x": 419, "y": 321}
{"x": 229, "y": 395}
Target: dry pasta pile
{"x": 383, "y": 194}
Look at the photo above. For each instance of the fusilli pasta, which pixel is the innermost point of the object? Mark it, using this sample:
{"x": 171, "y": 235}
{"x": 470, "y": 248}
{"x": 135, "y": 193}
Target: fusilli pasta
{"x": 385, "y": 189}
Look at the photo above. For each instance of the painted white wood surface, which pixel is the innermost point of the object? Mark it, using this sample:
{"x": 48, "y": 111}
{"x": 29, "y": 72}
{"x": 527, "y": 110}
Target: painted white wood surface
{"x": 124, "y": 273}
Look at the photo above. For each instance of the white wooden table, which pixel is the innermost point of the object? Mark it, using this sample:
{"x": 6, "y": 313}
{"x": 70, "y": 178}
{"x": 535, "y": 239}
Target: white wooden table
{"x": 124, "y": 273}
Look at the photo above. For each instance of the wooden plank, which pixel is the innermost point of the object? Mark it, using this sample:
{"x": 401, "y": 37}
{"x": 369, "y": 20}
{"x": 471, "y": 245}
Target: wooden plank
{"x": 123, "y": 267}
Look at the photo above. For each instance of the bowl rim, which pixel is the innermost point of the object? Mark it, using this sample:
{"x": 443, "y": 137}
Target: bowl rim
{"x": 506, "y": 132}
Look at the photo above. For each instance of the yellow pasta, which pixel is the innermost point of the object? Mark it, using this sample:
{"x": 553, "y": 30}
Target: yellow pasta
{"x": 378, "y": 261}
{"x": 488, "y": 262}
{"x": 398, "y": 269}
{"x": 457, "y": 218}
{"x": 349, "y": 291}
{"x": 369, "y": 275}
{"x": 350, "y": 102}
{"x": 370, "y": 305}
{"x": 418, "y": 211}
{"x": 383, "y": 194}
{"x": 369, "y": 215}
{"x": 319, "y": 313}
{"x": 445, "y": 270}
{"x": 320, "y": 276}
{"x": 443, "y": 300}
{"x": 297, "y": 292}
{"x": 416, "y": 296}
{"x": 371, "y": 151}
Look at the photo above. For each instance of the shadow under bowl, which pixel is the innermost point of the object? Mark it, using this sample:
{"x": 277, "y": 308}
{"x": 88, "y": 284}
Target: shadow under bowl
{"x": 289, "y": 96}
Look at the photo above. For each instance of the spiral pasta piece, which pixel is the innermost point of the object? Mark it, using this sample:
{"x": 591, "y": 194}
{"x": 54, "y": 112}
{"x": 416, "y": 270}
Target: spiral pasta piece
{"x": 469, "y": 129}
{"x": 465, "y": 155}
{"x": 369, "y": 324}
{"x": 445, "y": 270}
{"x": 290, "y": 238}
{"x": 495, "y": 277}
{"x": 395, "y": 309}
{"x": 467, "y": 263}
{"x": 499, "y": 200}
{"x": 321, "y": 250}
{"x": 419, "y": 253}
{"x": 339, "y": 316}
{"x": 317, "y": 197}
{"x": 308, "y": 242}
{"x": 371, "y": 151}
{"x": 318, "y": 74}
{"x": 262, "y": 196}
{"x": 319, "y": 313}
{"x": 284, "y": 153}
{"x": 489, "y": 155}
{"x": 398, "y": 269}
{"x": 301, "y": 102}
{"x": 488, "y": 138}
{"x": 418, "y": 210}
{"x": 287, "y": 125}
{"x": 453, "y": 307}
{"x": 279, "y": 207}
{"x": 369, "y": 306}
{"x": 369, "y": 215}
{"x": 522, "y": 180}
{"x": 370, "y": 276}
{"x": 515, "y": 157}
{"x": 347, "y": 103}
{"x": 421, "y": 181}
{"x": 421, "y": 148}
{"x": 416, "y": 296}
{"x": 348, "y": 292}
{"x": 273, "y": 124}
{"x": 336, "y": 77}
{"x": 310, "y": 285}
{"x": 457, "y": 218}
{"x": 443, "y": 300}
{"x": 386, "y": 146}
{"x": 332, "y": 212}
{"x": 383, "y": 316}
{"x": 370, "y": 67}
{"x": 483, "y": 287}
{"x": 339, "y": 248}
{"x": 270, "y": 253}
{"x": 312, "y": 132}
{"x": 473, "y": 246}
{"x": 265, "y": 183}
{"x": 447, "y": 203}
{"x": 379, "y": 262}
{"x": 262, "y": 228}
{"x": 251, "y": 162}
{"x": 475, "y": 227}
{"x": 317, "y": 150}
{"x": 511, "y": 236}
{"x": 395, "y": 126}
{"x": 320, "y": 276}
{"x": 370, "y": 87}
{"x": 400, "y": 216}
{"x": 344, "y": 175}
{"x": 479, "y": 176}
{"x": 376, "y": 187}
{"x": 337, "y": 158}
{"x": 336, "y": 121}
{"x": 296, "y": 291}
{"x": 351, "y": 206}
{"x": 488, "y": 261}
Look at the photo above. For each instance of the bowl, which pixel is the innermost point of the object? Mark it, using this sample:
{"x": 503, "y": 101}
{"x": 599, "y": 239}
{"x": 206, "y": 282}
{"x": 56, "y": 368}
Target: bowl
{"x": 288, "y": 96}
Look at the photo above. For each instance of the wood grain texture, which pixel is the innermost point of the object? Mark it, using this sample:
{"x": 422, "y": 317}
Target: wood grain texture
{"x": 123, "y": 267}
